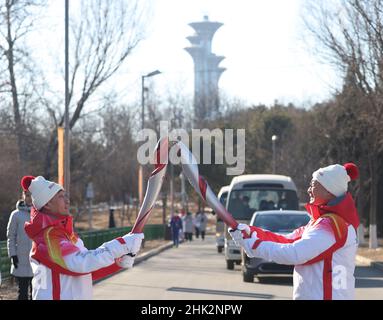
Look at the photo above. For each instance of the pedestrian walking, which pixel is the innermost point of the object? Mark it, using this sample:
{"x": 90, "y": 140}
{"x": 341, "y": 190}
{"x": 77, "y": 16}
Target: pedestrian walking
{"x": 197, "y": 224}
{"x": 19, "y": 246}
{"x": 202, "y": 222}
{"x": 189, "y": 224}
{"x": 176, "y": 227}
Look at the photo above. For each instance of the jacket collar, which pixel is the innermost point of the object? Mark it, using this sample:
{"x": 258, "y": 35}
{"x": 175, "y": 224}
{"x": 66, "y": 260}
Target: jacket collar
{"x": 41, "y": 221}
{"x": 21, "y": 206}
{"x": 343, "y": 206}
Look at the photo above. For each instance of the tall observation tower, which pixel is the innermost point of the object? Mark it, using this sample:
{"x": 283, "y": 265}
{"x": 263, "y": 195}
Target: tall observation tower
{"x": 206, "y": 69}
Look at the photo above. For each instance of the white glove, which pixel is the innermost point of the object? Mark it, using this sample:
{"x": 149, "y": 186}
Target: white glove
{"x": 125, "y": 261}
{"x": 244, "y": 227}
{"x": 246, "y": 244}
{"x": 133, "y": 242}
{"x": 237, "y": 234}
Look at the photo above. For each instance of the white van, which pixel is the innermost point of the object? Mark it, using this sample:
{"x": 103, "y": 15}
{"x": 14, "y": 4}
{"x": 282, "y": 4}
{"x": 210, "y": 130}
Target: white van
{"x": 256, "y": 192}
{"x": 220, "y": 225}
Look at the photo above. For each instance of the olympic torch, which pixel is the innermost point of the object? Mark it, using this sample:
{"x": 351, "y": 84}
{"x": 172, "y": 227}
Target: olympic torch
{"x": 154, "y": 184}
{"x": 190, "y": 169}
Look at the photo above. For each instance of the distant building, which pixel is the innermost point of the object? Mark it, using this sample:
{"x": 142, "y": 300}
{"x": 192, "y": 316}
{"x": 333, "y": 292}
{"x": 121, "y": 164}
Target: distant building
{"x": 206, "y": 69}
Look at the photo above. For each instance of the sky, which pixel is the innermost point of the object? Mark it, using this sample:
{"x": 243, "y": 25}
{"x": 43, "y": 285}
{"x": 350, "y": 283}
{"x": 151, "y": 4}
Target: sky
{"x": 265, "y": 56}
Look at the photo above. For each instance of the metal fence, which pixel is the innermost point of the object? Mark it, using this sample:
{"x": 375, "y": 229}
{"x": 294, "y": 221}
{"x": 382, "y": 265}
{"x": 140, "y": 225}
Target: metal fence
{"x": 91, "y": 239}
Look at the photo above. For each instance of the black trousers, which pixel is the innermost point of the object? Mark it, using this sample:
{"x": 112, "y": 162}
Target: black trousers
{"x": 196, "y": 232}
{"x": 25, "y": 288}
{"x": 189, "y": 236}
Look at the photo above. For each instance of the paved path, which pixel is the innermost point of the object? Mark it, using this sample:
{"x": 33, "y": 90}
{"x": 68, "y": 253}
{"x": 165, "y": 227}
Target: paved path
{"x": 196, "y": 271}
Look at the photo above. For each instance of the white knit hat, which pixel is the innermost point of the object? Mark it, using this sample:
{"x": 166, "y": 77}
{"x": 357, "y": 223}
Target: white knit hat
{"x": 41, "y": 190}
{"x": 335, "y": 178}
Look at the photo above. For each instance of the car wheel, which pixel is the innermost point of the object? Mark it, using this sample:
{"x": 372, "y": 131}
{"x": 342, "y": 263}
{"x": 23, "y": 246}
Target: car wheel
{"x": 247, "y": 276}
{"x": 219, "y": 249}
{"x": 230, "y": 264}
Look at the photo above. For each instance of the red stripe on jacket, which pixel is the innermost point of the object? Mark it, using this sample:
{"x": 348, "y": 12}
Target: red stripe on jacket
{"x": 56, "y": 287}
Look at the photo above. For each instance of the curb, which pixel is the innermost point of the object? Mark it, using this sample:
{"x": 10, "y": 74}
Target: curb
{"x": 372, "y": 263}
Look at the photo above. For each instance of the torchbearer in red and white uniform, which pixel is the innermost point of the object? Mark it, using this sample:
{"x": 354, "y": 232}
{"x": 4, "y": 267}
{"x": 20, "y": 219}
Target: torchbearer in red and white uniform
{"x": 323, "y": 252}
{"x": 63, "y": 268}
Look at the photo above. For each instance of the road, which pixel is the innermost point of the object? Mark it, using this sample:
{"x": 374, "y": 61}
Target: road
{"x": 196, "y": 271}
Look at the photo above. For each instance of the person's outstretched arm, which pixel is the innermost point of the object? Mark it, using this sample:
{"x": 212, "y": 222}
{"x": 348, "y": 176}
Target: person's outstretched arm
{"x": 59, "y": 251}
{"x": 316, "y": 241}
{"x": 266, "y": 235}
{"x": 313, "y": 243}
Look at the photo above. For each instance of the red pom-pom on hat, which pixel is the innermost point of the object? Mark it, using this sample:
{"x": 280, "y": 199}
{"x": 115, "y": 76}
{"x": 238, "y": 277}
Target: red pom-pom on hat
{"x": 26, "y": 182}
{"x": 352, "y": 170}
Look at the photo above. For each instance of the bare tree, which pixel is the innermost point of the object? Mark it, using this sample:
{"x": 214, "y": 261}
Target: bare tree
{"x": 350, "y": 34}
{"x": 104, "y": 36}
{"x": 17, "y": 18}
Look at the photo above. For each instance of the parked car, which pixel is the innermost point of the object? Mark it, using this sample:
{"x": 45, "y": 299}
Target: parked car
{"x": 277, "y": 221}
{"x": 256, "y": 192}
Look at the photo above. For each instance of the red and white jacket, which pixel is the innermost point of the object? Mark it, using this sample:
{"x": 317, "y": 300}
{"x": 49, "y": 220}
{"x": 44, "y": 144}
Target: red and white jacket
{"x": 63, "y": 268}
{"x": 323, "y": 252}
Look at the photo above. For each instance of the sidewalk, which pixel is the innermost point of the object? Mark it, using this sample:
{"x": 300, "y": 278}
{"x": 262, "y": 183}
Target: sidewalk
{"x": 193, "y": 271}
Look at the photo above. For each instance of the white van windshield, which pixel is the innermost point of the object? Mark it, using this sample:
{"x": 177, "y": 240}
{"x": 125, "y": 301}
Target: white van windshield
{"x": 243, "y": 203}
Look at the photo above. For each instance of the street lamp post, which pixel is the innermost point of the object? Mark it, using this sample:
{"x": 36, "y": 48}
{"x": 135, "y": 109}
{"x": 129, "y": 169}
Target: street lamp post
{"x": 273, "y": 139}
{"x": 66, "y": 113}
{"x": 171, "y": 189}
{"x": 141, "y": 169}
{"x": 151, "y": 74}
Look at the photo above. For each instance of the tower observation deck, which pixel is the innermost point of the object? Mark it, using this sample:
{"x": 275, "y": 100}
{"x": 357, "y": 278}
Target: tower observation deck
{"x": 206, "y": 69}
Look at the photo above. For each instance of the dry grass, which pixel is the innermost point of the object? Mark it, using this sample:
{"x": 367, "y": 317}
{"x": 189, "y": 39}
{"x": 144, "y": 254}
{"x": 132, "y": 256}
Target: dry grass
{"x": 100, "y": 219}
{"x": 8, "y": 289}
{"x": 373, "y": 254}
